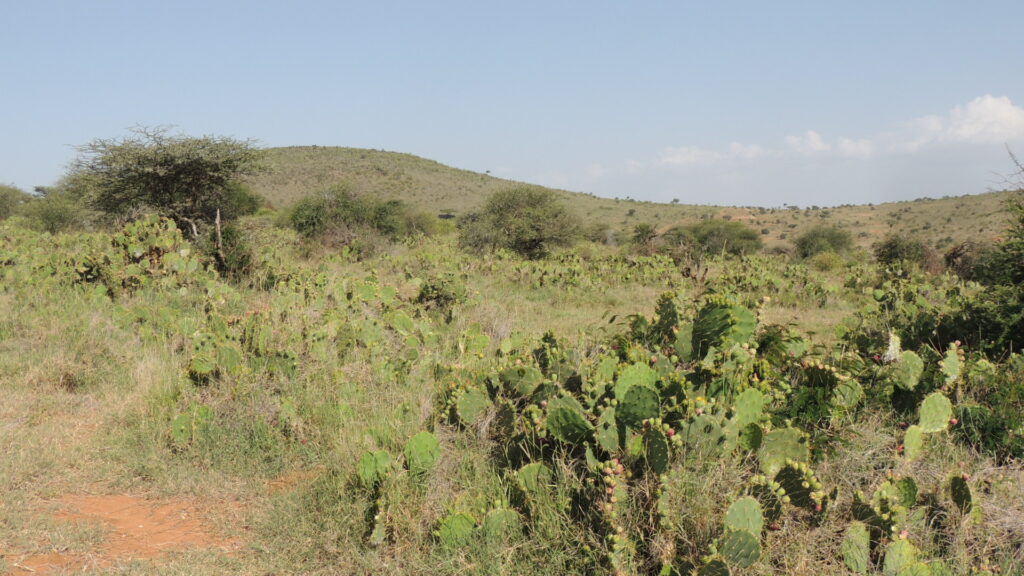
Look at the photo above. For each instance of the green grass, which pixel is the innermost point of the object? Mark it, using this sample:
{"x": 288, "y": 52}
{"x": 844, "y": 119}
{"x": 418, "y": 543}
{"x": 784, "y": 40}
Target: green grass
{"x": 89, "y": 388}
{"x": 294, "y": 172}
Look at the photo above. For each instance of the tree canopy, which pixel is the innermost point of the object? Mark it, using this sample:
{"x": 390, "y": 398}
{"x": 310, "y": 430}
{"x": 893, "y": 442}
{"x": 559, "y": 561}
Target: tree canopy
{"x": 188, "y": 179}
{"x": 528, "y": 221}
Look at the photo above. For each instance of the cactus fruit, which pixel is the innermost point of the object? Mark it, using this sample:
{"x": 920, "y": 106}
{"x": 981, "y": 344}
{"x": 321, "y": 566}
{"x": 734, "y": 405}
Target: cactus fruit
{"x": 739, "y": 548}
{"x": 422, "y": 453}
{"x": 856, "y": 548}
{"x": 780, "y": 445}
{"x": 656, "y": 450}
{"x": 935, "y": 413}
{"x": 639, "y": 403}
{"x": 745, "y": 514}
{"x": 715, "y": 567}
{"x": 913, "y": 443}
{"x": 373, "y": 468}
{"x": 456, "y": 530}
{"x": 960, "y": 491}
{"x": 471, "y": 405}
{"x": 521, "y": 380}
{"x": 567, "y": 422}
{"x": 800, "y": 485}
{"x": 899, "y": 555}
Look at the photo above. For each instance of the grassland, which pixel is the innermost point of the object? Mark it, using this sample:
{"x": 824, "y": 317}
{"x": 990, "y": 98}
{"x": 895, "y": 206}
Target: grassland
{"x": 250, "y": 405}
{"x": 296, "y": 171}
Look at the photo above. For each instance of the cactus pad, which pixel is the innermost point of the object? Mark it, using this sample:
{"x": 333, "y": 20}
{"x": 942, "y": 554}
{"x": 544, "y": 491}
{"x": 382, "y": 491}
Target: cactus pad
{"x": 900, "y": 554}
{"x": 780, "y": 445}
{"x": 373, "y": 468}
{"x": 856, "y": 548}
{"x": 656, "y": 450}
{"x": 704, "y": 432}
{"x": 522, "y": 380}
{"x": 567, "y": 422}
{"x": 950, "y": 364}
{"x": 607, "y": 432}
{"x": 913, "y": 443}
{"x": 749, "y": 407}
{"x": 960, "y": 491}
{"x": 501, "y": 523}
{"x": 906, "y": 371}
{"x": 533, "y": 477}
{"x": 936, "y": 412}
{"x": 638, "y": 404}
{"x": 456, "y": 530}
{"x": 739, "y": 548}
{"x": 471, "y": 405}
{"x": 715, "y": 568}
{"x": 745, "y": 514}
{"x": 422, "y": 453}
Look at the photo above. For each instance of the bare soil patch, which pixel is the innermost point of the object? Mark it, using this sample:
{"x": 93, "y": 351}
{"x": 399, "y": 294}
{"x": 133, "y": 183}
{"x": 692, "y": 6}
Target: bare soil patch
{"x": 136, "y": 529}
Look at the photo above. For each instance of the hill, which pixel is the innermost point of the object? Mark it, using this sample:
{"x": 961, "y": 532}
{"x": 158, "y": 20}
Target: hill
{"x": 296, "y": 171}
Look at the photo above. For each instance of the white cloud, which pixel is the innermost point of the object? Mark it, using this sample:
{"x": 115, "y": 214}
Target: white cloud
{"x": 985, "y": 120}
{"x": 809, "y": 142}
{"x": 862, "y": 148}
{"x": 688, "y": 156}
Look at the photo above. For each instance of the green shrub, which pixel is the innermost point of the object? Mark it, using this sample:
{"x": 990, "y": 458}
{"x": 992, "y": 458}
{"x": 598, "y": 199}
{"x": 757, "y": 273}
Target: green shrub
{"x": 11, "y": 199}
{"x": 716, "y": 237}
{"x": 527, "y": 221}
{"x": 55, "y": 212}
{"x": 895, "y": 249}
{"x": 823, "y": 238}
{"x": 339, "y": 215}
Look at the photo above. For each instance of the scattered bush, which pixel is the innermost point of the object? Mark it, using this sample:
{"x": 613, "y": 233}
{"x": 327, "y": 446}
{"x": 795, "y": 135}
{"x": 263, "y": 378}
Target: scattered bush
{"x": 56, "y": 211}
{"x": 895, "y": 249}
{"x": 11, "y": 199}
{"x": 527, "y": 221}
{"x": 823, "y": 238}
{"x": 340, "y": 217}
{"x": 716, "y": 237}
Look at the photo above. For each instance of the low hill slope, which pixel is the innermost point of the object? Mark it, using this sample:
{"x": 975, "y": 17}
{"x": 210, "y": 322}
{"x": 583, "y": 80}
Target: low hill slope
{"x": 296, "y": 171}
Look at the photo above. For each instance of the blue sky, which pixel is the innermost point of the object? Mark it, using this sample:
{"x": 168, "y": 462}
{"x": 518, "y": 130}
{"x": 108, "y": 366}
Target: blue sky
{"x": 750, "y": 103}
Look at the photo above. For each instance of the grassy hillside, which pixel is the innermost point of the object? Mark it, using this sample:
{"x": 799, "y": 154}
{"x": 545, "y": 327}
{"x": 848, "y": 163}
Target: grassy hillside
{"x": 296, "y": 171}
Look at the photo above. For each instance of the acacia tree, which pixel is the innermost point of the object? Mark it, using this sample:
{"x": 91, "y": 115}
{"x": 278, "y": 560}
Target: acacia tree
{"x": 525, "y": 220}
{"x": 194, "y": 181}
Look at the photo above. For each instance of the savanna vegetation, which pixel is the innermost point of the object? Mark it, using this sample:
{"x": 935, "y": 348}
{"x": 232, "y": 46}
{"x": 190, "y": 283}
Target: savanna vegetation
{"x": 503, "y": 396}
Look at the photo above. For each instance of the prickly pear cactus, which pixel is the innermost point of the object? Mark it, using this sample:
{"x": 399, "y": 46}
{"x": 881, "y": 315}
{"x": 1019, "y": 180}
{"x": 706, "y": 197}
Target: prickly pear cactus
{"x": 422, "y": 453}
{"x": 566, "y": 421}
{"x": 739, "y": 548}
{"x": 960, "y": 492}
{"x": 780, "y": 445}
{"x": 900, "y": 554}
{"x": 533, "y": 478}
{"x": 721, "y": 322}
{"x": 745, "y": 514}
{"x": 935, "y": 413}
{"x": 657, "y": 451}
{"x": 704, "y": 433}
{"x": 607, "y": 430}
{"x": 501, "y": 523}
{"x": 749, "y": 407}
{"x": 715, "y": 567}
{"x": 906, "y": 371}
{"x": 801, "y": 487}
{"x": 950, "y": 364}
{"x": 521, "y": 380}
{"x": 913, "y": 443}
{"x": 373, "y": 468}
{"x": 639, "y": 403}
{"x": 471, "y": 405}
{"x": 456, "y": 530}
{"x": 856, "y": 548}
